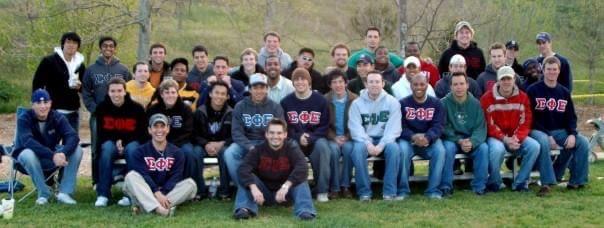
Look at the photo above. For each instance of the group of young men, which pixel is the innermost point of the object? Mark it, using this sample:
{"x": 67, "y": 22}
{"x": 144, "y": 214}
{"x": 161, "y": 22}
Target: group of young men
{"x": 265, "y": 117}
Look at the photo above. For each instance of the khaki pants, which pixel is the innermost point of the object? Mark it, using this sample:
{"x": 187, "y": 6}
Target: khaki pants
{"x": 140, "y": 193}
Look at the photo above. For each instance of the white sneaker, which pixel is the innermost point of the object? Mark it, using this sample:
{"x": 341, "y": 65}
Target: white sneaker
{"x": 41, "y": 201}
{"x": 322, "y": 197}
{"x": 101, "y": 201}
{"x": 65, "y": 199}
{"x": 125, "y": 201}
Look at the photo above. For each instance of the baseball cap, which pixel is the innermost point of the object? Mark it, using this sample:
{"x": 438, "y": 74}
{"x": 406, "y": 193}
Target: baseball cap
{"x": 365, "y": 59}
{"x": 457, "y": 59}
{"x": 543, "y": 37}
{"x": 158, "y": 118}
{"x": 462, "y": 24}
{"x": 512, "y": 44}
{"x": 40, "y": 95}
{"x": 505, "y": 71}
{"x": 412, "y": 60}
{"x": 258, "y": 78}
{"x": 529, "y": 62}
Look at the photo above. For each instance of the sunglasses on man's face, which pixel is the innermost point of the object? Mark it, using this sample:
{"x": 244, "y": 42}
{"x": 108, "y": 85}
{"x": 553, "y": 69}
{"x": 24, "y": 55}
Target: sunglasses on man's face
{"x": 306, "y": 58}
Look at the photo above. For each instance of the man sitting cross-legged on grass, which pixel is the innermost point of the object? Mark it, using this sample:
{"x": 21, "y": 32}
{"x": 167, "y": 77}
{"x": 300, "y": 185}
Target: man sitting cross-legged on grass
{"x": 121, "y": 125}
{"x": 423, "y": 120}
{"x": 465, "y": 132}
{"x": 375, "y": 123}
{"x": 45, "y": 142}
{"x": 274, "y": 172}
{"x": 508, "y": 116}
{"x": 555, "y": 127}
{"x": 156, "y": 180}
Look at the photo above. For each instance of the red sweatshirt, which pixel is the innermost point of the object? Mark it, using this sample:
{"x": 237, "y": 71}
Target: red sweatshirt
{"x": 507, "y": 116}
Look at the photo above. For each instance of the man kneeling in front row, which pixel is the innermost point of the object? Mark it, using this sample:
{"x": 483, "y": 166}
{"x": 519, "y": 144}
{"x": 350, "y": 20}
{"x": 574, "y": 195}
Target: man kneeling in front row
{"x": 156, "y": 181}
{"x": 274, "y": 172}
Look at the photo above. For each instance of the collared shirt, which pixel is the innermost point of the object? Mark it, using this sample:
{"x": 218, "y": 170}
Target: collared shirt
{"x": 283, "y": 88}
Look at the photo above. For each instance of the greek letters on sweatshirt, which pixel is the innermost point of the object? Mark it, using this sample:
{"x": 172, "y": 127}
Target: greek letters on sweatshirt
{"x": 464, "y": 120}
{"x": 181, "y": 121}
{"x": 553, "y": 108}
{"x": 274, "y": 167}
{"x": 380, "y": 118}
{"x": 310, "y": 115}
{"x": 251, "y": 119}
{"x": 127, "y": 122}
{"x": 94, "y": 83}
{"x": 162, "y": 170}
{"x": 427, "y": 118}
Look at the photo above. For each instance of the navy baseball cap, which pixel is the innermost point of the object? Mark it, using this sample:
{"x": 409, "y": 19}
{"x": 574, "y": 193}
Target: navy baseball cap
{"x": 365, "y": 59}
{"x": 512, "y": 44}
{"x": 543, "y": 37}
{"x": 40, "y": 95}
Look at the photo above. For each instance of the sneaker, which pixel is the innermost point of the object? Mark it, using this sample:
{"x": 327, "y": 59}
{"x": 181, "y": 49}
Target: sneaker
{"x": 322, "y": 197}
{"x": 388, "y": 198}
{"x": 306, "y": 216}
{"x": 346, "y": 193}
{"x": 400, "y": 198}
{"x": 544, "y": 191}
{"x": 41, "y": 201}
{"x": 242, "y": 213}
{"x": 333, "y": 195}
{"x": 125, "y": 201}
{"x": 447, "y": 193}
{"x": 365, "y": 198}
{"x": 65, "y": 199}
{"x": 435, "y": 197}
{"x": 101, "y": 201}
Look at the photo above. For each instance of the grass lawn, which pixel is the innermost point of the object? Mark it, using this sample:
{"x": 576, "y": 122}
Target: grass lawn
{"x": 562, "y": 209}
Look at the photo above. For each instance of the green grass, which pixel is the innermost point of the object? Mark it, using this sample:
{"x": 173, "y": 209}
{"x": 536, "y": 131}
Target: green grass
{"x": 563, "y": 208}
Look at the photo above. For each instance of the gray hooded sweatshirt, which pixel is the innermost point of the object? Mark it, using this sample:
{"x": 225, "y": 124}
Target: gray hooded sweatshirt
{"x": 94, "y": 85}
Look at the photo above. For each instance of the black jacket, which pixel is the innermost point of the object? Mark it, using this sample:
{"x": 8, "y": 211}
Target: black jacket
{"x": 206, "y": 131}
{"x": 52, "y": 75}
{"x": 181, "y": 121}
{"x": 241, "y": 76}
{"x": 318, "y": 82}
{"x": 475, "y": 62}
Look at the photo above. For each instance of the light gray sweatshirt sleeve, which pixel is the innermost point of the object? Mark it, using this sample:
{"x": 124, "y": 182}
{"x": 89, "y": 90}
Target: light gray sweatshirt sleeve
{"x": 355, "y": 124}
{"x": 393, "y": 127}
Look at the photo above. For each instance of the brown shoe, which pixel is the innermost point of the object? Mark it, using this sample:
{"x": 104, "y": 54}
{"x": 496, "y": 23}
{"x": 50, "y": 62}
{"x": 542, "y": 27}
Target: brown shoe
{"x": 544, "y": 191}
{"x": 346, "y": 193}
{"x": 333, "y": 195}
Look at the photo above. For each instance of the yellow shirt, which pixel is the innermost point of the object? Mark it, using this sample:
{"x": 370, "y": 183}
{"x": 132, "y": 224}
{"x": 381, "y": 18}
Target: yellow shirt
{"x": 141, "y": 96}
{"x": 190, "y": 97}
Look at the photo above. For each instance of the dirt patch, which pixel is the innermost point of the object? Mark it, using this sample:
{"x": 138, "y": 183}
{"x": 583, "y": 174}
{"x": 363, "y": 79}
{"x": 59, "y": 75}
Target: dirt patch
{"x": 7, "y": 130}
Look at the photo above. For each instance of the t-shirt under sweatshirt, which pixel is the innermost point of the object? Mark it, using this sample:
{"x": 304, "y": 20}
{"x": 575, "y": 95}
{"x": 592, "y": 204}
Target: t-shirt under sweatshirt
{"x": 553, "y": 108}
{"x": 310, "y": 115}
{"x": 427, "y": 118}
{"x": 274, "y": 167}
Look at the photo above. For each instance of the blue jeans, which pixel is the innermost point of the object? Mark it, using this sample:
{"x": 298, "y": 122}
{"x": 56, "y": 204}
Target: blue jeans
{"x": 435, "y": 152}
{"x": 32, "y": 164}
{"x": 108, "y": 154}
{"x": 529, "y": 151}
{"x": 480, "y": 157}
{"x": 300, "y": 194}
{"x": 544, "y": 161}
{"x": 576, "y": 159}
{"x": 194, "y": 166}
{"x": 233, "y": 156}
{"x": 320, "y": 161}
{"x": 225, "y": 178}
{"x": 74, "y": 120}
{"x": 392, "y": 157}
{"x": 340, "y": 176}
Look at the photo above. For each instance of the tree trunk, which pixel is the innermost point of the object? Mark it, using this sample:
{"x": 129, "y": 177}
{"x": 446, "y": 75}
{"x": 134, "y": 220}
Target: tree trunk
{"x": 144, "y": 18}
{"x": 268, "y": 16}
{"x": 402, "y": 19}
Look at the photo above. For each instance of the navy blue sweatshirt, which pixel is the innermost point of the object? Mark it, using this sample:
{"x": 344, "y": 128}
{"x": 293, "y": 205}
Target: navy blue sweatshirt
{"x": 162, "y": 170}
{"x": 44, "y": 142}
{"x": 427, "y": 118}
{"x": 553, "y": 108}
{"x": 310, "y": 115}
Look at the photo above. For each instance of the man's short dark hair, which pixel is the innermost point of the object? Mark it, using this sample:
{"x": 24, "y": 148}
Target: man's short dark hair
{"x": 459, "y": 74}
{"x": 272, "y": 33}
{"x": 213, "y": 85}
{"x": 338, "y": 46}
{"x": 411, "y": 43}
{"x": 552, "y": 60}
{"x": 270, "y": 57}
{"x": 277, "y": 121}
{"x": 335, "y": 74}
{"x": 139, "y": 63}
{"x": 373, "y": 28}
{"x": 306, "y": 50}
{"x": 107, "y": 38}
{"x": 221, "y": 57}
{"x": 116, "y": 80}
{"x": 157, "y": 45}
{"x": 179, "y": 60}
{"x": 71, "y": 36}
{"x": 199, "y": 48}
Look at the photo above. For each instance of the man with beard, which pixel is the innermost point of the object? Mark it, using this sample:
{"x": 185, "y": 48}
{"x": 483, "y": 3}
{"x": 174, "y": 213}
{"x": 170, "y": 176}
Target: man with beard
{"x": 339, "y": 57}
{"x": 278, "y": 86}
